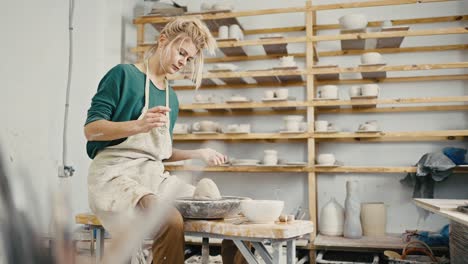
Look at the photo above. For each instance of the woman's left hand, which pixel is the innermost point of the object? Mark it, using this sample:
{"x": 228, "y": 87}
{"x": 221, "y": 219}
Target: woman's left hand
{"x": 212, "y": 157}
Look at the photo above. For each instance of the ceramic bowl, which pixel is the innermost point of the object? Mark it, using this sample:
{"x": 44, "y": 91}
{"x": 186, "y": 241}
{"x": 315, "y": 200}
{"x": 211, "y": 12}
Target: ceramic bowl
{"x": 353, "y": 21}
{"x": 326, "y": 159}
{"x": 371, "y": 58}
{"x": 295, "y": 118}
{"x": 262, "y": 211}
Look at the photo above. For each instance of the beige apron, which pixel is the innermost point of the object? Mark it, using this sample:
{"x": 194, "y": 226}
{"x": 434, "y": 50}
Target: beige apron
{"x": 120, "y": 175}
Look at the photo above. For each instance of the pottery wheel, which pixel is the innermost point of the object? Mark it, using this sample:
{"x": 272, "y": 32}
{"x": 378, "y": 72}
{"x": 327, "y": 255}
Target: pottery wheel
{"x": 227, "y": 206}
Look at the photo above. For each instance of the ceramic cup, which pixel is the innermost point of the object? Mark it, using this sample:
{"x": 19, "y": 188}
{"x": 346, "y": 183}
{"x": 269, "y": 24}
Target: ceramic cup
{"x": 181, "y": 128}
{"x": 205, "y": 126}
{"x": 270, "y": 157}
{"x": 223, "y": 32}
{"x": 321, "y": 126}
{"x": 269, "y": 94}
{"x": 371, "y": 89}
{"x": 355, "y": 90}
{"x": 282, "y": 93}
{"x": 238, "y": 97}
{"x": 235, "y": 31}
{"x": 233, "y": 128}
{"x": 328, "y": 92}
{"x": 387, "y": 23}
{"x": 353, "y": 21}
{"x": 326, "y": 159}
{"x": 292, "y": 122}
{"x": 371, "y": 58}
{"x": 287, "y": 61}
{"x": 371, "y": 125}
{"x": 244, "y": 128}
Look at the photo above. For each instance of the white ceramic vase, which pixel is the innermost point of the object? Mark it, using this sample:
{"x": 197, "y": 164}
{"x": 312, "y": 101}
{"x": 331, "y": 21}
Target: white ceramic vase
{"x": 331, "y": 219}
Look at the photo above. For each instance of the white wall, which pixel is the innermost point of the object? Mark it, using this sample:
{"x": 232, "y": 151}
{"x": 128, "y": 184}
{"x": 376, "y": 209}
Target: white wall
{"x": 35, "y": 45}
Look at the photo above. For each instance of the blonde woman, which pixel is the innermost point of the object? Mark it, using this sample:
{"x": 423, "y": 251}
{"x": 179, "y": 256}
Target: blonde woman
{"x": 129, "y": 127}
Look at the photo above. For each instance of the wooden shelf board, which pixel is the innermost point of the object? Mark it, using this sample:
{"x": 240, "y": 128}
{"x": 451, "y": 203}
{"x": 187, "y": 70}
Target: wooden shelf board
{"x": 233, "y": 51}
{"x": 390, "y": 241}
{"x": 447, "y": 99}
{"x": 243, "y": 112}
{"x": 399, "y": 79}
{"x": 415, "y": 136}
{"x": 279, "y": 48}
{"x": 376, "y": 169}
{"x": 286, "y": 104}
{"x": 239, "y": 168}
{"x": 241, "y": 86}
{"x": 353, "y": 44}
{"x": 400, "y": 22}
{"x": 378, "y": 35}
{"x": 445, "y": 208}
{"x": 250, "y": 136}
{"x": 395, "y": 42}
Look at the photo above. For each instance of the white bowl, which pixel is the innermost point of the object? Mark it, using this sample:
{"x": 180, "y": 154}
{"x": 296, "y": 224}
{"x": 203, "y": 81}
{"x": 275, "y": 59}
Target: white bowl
{"x": 262, "y": 211}
{"x": 353, "y": 21}
{"x": 326, "y": 159}
{"x": 295, "y": 118}
{"x": 371, "y": 58}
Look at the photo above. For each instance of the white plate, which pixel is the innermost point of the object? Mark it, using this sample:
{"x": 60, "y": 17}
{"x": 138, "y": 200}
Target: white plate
{"x": 296, "y": 163}
{"x": 292, "y": 132}
{"x": 326, "y": 132}
{"x": 203, "y": 102}
{"x": 274, "y": 99}
{"x": 368, "y": 131}
{"x": 325, "y": 99}
{"x": 235, "y": 132}
{"x": 204, "y": 132}
{"x": 179, "y": 133}
{"x": 327, "y": 166}
{"x": 239, "y": 101}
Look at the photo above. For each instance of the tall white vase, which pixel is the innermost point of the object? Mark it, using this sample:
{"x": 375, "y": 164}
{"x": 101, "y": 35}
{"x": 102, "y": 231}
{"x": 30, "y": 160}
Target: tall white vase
{"x": 352, "y": 224}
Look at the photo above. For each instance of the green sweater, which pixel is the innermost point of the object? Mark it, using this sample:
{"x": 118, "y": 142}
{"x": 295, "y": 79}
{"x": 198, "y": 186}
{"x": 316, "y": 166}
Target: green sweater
{"x": 120, "y": 97}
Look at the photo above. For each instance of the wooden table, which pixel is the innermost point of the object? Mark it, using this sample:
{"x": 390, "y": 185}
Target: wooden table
{"x": 242, "y": 232}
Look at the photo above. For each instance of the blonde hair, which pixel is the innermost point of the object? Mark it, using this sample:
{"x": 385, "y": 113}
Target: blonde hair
{"x": 180, "y": 29}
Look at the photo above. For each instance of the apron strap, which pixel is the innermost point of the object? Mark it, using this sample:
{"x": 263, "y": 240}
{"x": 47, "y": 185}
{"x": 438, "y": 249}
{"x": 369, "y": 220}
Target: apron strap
{"x": 147, "y": 83}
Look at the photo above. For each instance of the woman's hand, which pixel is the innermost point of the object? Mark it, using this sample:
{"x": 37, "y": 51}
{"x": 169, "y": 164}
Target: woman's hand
{"x": 154, "y": 117}
{"x": 211, "y": 157}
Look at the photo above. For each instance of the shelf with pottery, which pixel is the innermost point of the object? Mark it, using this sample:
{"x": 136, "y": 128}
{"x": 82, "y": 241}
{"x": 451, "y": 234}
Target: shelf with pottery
{"x": 243, "y": 105}
{"x": 242, "y": 136}
{"x": 320, "y": 102}
{"x": 277, "y": 168}
{"x": 376, "y": 169}
{"x": 382, "y": 136}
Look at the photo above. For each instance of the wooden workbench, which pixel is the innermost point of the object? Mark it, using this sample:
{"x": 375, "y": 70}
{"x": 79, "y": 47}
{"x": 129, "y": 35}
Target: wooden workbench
{"x": 242, "y": 232}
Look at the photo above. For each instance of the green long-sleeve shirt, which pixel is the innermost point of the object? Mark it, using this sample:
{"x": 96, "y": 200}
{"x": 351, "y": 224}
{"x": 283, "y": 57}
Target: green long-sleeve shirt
{"x": 120, "y": 97}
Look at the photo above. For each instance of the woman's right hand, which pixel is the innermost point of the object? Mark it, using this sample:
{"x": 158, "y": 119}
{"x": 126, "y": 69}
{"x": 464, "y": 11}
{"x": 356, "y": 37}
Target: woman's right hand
{"x": 154, "y": 117}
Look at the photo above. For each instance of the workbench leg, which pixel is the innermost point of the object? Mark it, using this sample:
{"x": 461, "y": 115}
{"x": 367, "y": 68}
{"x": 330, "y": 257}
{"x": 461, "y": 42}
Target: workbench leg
{"x": 205, "y": 250}
{"x": 244, "y": 249}
{"x": 291, "y": 251}
{"x": 100, "y": 244}
{"x": 276, "y": 252}
{"x": 91, "y": 242}
{"x": 263, "y": 252}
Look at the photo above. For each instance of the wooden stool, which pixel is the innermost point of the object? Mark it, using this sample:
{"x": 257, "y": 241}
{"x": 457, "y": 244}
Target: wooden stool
{"x": 95, "y": 224}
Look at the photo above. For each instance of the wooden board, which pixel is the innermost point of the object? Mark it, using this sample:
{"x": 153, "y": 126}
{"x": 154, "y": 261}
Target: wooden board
{"x": 433, "y": 205}
{"x": 394, "y": 42}
{"x": 208, "y": 82}
{"x": 353, "y": 44}
{"x": 275, "y": 49}
{"x": 288, "y": 78}
{"x": 233, "y": 80}
{"x": 229, "y": 228}
{"x": 390, "y": 241}
{"x": 232, "y": 51}
{"x": 266, "y": 79}
{"x": 326, "y": 76}
{"x": 373, "y": 75}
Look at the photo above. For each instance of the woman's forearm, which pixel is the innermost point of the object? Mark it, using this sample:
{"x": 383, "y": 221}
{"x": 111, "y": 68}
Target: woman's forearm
{"x": 181, "y": 154}
{"x": 104, "y": 130}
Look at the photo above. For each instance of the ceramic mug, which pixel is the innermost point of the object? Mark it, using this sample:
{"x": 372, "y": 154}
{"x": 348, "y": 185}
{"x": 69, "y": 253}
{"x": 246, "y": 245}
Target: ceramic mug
{"x": 328, "y": 92}
{"x": 282, "y": 93}
{"x": 223, "y": 32}
{"x": 292, "y": 122}
{"x": 181, "y": 128}
{"x": 205, "y": 126}
{"x": 233, "y": 128}
{"x": 244, "y": 128}
{"x": 371, "y": 58}
{"x": 321, "y": 126}
{"x": 287, "y": 61}
{"x": 235, "y": 31}
{"x": 355, "y": 90}
{"x": 269, "y": 94}
{"x": 353, "y": 21}
{"x": 270, "y": 157}
{"x": 371, "y": 89}
{"x": 326, "y": 159}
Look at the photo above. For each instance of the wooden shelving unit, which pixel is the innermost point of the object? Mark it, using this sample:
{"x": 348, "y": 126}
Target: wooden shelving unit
{"x": 313, "y": 75}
